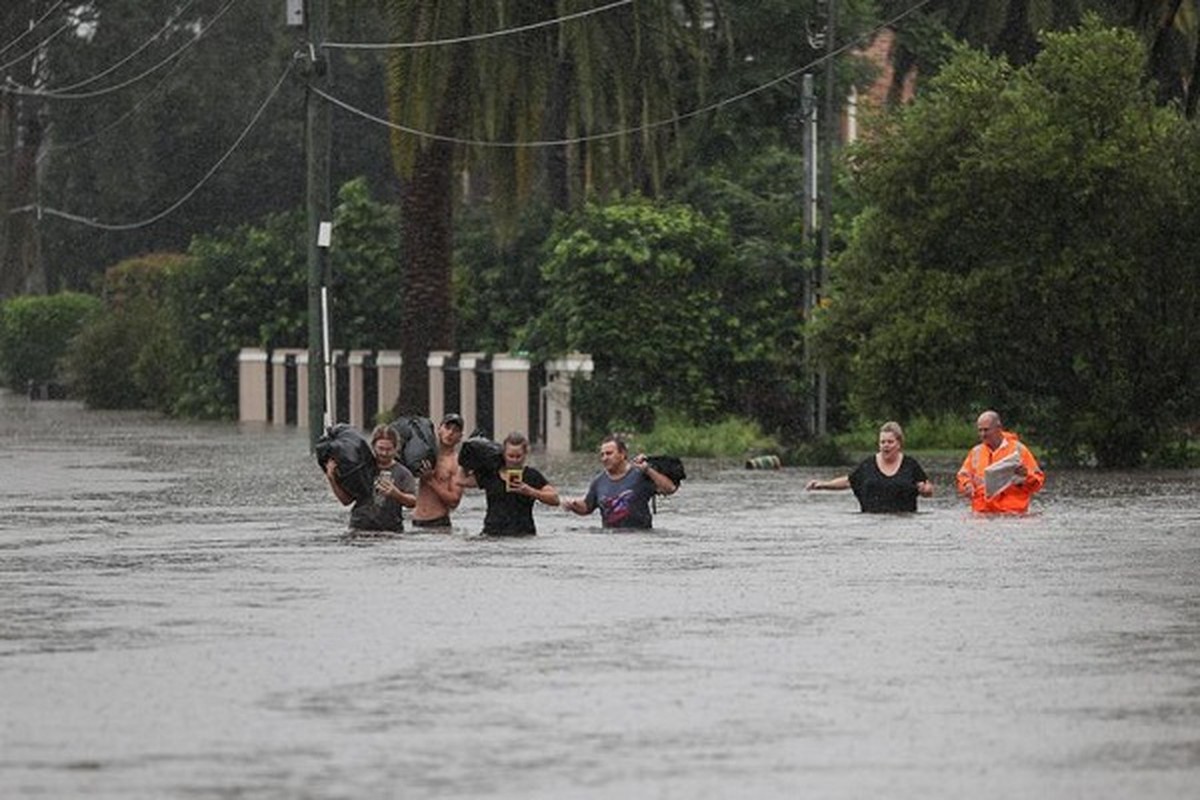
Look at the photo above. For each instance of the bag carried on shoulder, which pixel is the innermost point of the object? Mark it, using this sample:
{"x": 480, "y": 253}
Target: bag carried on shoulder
{"x": 355, "y": 460}
{"x": 670, "y": 466}
{"x": 418, "y": 443}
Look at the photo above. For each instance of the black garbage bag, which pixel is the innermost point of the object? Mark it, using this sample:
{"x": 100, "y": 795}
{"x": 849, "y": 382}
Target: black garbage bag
{"x": 355, "y": 461}
{"x": 670, "y": 466}
{"x": 480, "y": 454}
{"x": 418, "y": 443}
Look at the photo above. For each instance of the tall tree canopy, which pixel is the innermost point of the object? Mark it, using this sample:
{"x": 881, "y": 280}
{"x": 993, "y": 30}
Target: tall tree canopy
{"x": 624, "y": 69}
{"x": 1022, "y": 247}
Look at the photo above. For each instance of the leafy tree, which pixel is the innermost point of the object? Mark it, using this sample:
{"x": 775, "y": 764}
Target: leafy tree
{"x": 117, "y": 122}
{"x": 763, "y": 293}
{"x": 1170, "y": 30}
{"x": 247, "y": 287}
{"x": 640, "y": 287}
{"x": 1020, "y": 250}
{"x": 498, "y": 284}
{"x": 613, "y": 71}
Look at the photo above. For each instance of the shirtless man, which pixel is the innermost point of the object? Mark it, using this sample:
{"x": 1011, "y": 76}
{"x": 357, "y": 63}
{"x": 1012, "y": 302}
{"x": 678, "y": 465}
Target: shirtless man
{"x": 438, "y": 491}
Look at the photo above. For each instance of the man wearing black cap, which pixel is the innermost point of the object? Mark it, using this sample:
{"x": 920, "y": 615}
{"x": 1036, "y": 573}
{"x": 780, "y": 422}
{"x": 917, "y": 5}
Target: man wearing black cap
{"x": 438, "y": 491}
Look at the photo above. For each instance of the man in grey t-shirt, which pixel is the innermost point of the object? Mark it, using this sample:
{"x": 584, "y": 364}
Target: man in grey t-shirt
{"x": 623, "y": 490}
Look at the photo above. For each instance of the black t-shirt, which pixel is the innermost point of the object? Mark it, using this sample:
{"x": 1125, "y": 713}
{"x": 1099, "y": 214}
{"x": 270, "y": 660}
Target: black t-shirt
{"x": 509, "y": 513}
{"x": 880, "y": 494}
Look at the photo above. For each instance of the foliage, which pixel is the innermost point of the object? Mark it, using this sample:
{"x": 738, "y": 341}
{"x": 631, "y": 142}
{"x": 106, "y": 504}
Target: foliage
{"x": 641, "y": 287}
{"x": 498, "y": 285}
{"x": 1020, "y": 252}
{"x": 127, "y": 356}
{"x": 728, "y": 437}
{"x": 130, "y": 122}
{"x": 763, "y": 296}
{"x": 248, "y": 287}
{"x": 35, "y": 332}
{"x": 948, "y": 432}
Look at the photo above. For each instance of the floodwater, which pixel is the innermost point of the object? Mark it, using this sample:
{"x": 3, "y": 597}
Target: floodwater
{"x": 182, "y": 615}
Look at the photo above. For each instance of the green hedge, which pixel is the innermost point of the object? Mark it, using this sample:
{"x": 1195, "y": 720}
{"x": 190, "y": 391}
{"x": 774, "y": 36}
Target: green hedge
{"x": 35, "y": 332}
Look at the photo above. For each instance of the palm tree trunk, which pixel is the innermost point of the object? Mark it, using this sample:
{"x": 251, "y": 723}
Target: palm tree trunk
{"x": 427, "y": 321}
{"x": 557, "y": 159}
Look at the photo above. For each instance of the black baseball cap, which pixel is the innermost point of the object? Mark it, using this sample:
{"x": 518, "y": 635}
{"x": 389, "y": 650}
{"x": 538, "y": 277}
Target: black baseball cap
{"x": 453, "y": 419}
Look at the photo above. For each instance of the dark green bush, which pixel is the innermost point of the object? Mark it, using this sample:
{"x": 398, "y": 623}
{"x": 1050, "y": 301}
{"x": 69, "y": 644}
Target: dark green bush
{"x": 123, "y": 357}
{"x": 35, "y": 332}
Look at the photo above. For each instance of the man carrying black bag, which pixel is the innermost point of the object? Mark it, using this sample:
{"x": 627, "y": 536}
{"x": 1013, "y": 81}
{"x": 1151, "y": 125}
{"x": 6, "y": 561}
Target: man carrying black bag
{"x": 379, "y": 489}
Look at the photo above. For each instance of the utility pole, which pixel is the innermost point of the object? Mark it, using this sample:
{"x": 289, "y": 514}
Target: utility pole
{"x": 818, "y": 194}
{"x": 831, "y": 131}
{"x": 809, "y": 139}
{"x": 317, "y": 137}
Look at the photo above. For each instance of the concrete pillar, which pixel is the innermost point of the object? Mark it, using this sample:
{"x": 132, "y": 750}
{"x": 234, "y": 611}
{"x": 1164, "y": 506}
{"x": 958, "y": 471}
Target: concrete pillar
{"x": 357, "y": 401}
{"x": 279, "y": 359}
{"x": 468, "y": 383}
{"x": 302, "y": 390}
{"x": 387, "y": 370}
{"x": 510, "y": 394}
{"x": 557, "y": 399}
{"x": 437, "y": 383}
{"x": 252, "y": 385}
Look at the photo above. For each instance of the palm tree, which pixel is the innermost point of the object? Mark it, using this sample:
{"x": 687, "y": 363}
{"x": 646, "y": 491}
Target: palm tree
{"x": 615, "y": 70}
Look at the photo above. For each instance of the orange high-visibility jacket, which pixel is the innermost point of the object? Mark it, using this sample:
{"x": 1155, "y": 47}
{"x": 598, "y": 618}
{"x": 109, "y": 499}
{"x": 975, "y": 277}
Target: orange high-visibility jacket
{"x": 1014, "y": 499}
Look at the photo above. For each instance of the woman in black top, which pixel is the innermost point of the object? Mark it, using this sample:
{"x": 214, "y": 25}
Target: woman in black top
{"x": 886, "y": 482}
{"x": 512, "y": 491}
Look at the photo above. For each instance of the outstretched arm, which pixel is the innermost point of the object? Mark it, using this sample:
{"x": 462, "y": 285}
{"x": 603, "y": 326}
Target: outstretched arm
{"x": 576, "y": 504}
{"x": 841, "y": 482}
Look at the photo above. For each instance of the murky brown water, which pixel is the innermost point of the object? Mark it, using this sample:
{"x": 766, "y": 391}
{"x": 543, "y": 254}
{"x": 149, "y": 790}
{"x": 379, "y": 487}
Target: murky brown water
{"x": 182, "y": 616}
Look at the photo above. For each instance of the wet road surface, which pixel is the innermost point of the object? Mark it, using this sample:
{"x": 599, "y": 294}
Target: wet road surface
{"x": 182, "y": 615}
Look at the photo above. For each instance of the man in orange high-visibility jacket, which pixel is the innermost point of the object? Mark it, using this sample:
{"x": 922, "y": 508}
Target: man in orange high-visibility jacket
{"x": 996, "y": 444}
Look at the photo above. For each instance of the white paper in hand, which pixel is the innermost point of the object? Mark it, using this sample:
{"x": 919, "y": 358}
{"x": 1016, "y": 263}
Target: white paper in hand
{"x": 998, "y": 476}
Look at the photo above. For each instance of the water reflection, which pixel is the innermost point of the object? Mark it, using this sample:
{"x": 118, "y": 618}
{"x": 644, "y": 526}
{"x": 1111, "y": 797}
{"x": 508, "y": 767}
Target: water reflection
{"x": 182, "y": 612}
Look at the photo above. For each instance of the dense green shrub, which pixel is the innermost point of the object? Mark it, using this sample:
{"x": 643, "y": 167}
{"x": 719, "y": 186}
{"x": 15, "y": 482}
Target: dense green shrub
{"x": 248, "y": 287}
{"x": 729, "y": 437}
{"x": 640, "y": 287}
{"x": 35, "y": 332}
{"x": 128, "y": 355}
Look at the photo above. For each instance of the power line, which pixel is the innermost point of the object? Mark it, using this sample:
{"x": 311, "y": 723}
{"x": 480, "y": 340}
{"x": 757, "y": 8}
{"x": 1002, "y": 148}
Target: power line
{"x": 631, "y": 130}
{"x": 66, "y": 26}
{"x": 472, "y": 37}
{"x": 32, "y": 27}
{"x": 171, "y": 21}
{"x": 54, "y": 147}
{"x": 63, "y": 95}
{"x": 128, "y": 226}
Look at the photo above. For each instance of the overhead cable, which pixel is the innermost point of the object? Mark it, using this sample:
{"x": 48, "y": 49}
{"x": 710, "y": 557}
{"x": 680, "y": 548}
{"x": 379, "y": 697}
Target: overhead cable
{"x": 63, "y": 95}
{"x": 128, "y": 226}
{"x": 472, "y": 37}
{"x": 37, "y": 48}
{"x": 32, "y": 27}
{"x": 537, "y": 143}
{"x": 171, "y": 21}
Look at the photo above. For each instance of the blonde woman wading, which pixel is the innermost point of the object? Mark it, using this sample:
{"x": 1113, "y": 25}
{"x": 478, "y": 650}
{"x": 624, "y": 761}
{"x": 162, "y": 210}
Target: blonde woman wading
{"x": 888, "y": 481}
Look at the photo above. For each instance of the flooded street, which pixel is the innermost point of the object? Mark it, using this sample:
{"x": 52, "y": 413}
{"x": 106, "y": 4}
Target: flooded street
{"x": 182, "y": 615}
